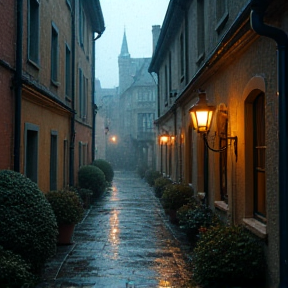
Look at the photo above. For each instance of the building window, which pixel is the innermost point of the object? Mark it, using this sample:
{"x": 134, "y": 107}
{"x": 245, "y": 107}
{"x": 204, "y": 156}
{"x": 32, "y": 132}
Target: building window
{"x": 182, "y": 57}
{"x": 200, "y": 30}
{"x": 53, "y": 160}
{"x": 82, "y": 24}
{"x": 221, "y": 14}
{"x": 54, "y": 54}
{"x": 83, "y": 93}
{"x": 68, "y": 72}
{"x": 33, "y": 31}
{"x": 255, "y": 156}
{"x": 145, "y": 122}
{"x": 166, "y": 87}
{"x": 83, "y": 154}
{"x": 145, "y": 95}
{"x": 170, "y": 74}
{"x": 31, "y": 152}
{"x": 259, "y": 157}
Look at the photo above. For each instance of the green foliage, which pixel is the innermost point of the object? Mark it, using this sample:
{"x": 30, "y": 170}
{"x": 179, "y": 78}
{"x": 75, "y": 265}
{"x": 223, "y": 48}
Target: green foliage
{"x": 106, "y": 168}
{"x": 93, "y": 178}
{"x": 141, "y": 169}
{"x": 85, "y": 195}
{"x": 194, "y": 217}
{"x": 160, "y": 184}
{"x": 15, "y": 272}
{"x": 27, "y": 223}
{"x": 67, "y": 206}
{"x": 228, "y": 255}
{"x": 151, "y": 175}
{"x": 176, "y": 195}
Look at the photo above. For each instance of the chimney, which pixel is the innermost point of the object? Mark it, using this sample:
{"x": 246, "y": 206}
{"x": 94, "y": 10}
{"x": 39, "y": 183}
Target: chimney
{"x": 155, "y": 34}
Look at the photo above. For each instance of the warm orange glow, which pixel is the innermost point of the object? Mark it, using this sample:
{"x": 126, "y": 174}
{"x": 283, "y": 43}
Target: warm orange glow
{"x": 164, "y": 139}
{"x": 201, "y": 114}
{"x": 114, "y": 139}
{"x": 164, "y": 283}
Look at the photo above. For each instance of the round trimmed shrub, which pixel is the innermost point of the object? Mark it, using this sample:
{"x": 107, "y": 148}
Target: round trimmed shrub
{"x": 228, "y": 256}
{"x": 160, "y": 184}
{"x": 176, "y": 195}
{"x": 67, "y": 206}
{"x": 106, "y": 168}
{"x": 27, "y": 224}
{"x": 93, "y": 178}
{"x": 151, "y": 175}
{"x": 15, "y": 272}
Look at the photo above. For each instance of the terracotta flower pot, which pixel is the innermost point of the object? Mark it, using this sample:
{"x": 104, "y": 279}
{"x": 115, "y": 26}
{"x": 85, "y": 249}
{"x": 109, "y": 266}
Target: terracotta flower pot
{"x": 65, "y": 234}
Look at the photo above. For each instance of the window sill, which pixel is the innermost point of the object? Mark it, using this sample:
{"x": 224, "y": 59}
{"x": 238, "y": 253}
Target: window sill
{"x": 55, "y": 83}
{"x": 220, "y": 25}
{"x": 255, "y": 227}
{"x": 200, "y": 58}
{"x": 221, "y": 205}
{"x": 34, "y": 64}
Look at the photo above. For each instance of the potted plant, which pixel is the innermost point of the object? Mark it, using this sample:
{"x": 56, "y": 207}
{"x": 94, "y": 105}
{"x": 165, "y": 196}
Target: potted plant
{"x": 68, "y": 209}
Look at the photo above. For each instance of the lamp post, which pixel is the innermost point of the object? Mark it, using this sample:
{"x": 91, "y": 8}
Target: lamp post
{"x": 163, "y": 141}
{"x": 201, "y": 116}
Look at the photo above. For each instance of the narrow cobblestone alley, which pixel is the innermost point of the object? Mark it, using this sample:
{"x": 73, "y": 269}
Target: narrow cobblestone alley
{"x": 124, "y": 237}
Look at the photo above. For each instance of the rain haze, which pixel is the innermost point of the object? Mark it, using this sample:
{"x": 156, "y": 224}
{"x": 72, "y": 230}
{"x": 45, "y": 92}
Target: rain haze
{"x": 136, "y": 17}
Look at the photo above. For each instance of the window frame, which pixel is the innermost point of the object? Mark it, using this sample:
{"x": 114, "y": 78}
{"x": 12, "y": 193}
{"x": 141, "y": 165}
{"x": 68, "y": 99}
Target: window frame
{"x": 68, "y": 73}
{"x": 54, "y": 54}
{"x": 33, "y": 38}
{"x": 31, "y": 160}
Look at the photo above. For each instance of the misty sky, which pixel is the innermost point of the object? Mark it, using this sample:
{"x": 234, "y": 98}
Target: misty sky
{"x": 137, "y": 17}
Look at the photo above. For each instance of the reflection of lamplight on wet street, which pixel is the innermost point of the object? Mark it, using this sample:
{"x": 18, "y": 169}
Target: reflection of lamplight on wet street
{"x": 114, "y": 194}
{"x": 164, "y": 283}
{"x": 114, "y": 233}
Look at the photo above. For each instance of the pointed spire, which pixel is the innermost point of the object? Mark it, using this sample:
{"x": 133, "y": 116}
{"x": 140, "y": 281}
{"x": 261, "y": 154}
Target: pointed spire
{"x": 124, "y": 48}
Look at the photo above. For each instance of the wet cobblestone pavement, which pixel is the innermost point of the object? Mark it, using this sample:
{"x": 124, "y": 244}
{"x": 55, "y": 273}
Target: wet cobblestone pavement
{"x": 125, "y": 236}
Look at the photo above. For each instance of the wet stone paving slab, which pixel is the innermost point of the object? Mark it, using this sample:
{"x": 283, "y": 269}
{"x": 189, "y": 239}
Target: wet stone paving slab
{"x": 125, "y": 240}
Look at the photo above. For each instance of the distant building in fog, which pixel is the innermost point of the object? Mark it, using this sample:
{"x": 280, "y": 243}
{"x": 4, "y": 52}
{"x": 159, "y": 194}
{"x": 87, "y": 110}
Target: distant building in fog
{"x": 132, "y": 110}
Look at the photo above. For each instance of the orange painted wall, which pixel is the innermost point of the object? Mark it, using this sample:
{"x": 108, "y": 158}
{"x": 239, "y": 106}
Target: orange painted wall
{"x": 47, "y": 118}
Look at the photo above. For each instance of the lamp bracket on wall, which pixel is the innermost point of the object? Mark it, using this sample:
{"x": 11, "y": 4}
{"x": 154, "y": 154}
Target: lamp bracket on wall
{"x": 235, "y": 138}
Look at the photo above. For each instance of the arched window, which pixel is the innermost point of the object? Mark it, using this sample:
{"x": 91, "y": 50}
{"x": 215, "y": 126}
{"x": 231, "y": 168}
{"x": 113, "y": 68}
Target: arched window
{"x": 255, "y": 155}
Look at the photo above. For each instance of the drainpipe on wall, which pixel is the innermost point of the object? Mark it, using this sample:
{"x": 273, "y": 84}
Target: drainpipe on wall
{"x": 72, "y": 124}
{"x": 258, "y": 8}
{"x": 94, "y": 106}
{"x": 18, "y": 88}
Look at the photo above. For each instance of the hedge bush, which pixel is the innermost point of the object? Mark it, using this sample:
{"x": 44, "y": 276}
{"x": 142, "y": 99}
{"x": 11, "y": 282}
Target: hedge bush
{"x": 27, "y": 224}
{"x": 151, "y": 175}
{"x": 15, "y": 272}
{"x": 160, "y": 184}
{"x": 93, "y": 178}
{"x": 106, "y": 167}
{"x": 228, "y": 255}
{"x": 176, "y": 195}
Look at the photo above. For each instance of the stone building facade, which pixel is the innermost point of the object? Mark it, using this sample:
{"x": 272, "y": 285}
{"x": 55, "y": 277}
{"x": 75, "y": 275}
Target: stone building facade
{"x": 210, "y": 46}
{"x": 53, "y": 94}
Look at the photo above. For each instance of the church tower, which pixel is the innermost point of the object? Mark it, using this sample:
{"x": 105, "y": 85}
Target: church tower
{"x": 124, "y": 66}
